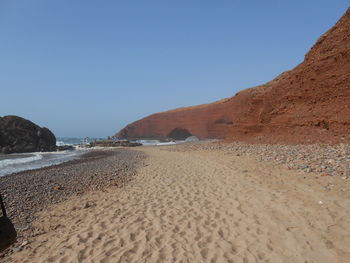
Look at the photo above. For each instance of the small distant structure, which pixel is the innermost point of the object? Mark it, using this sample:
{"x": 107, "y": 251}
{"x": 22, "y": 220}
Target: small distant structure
{"x": 86, "y": 140}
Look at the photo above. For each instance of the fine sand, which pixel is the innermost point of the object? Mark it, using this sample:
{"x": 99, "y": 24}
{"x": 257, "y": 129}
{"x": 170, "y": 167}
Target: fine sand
{"x": 28, "y": 192}
{"x": 200, "y": 207}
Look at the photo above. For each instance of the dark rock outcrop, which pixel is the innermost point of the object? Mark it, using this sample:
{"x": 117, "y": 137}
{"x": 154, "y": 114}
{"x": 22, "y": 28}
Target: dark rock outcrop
{"x": 305, "y": 105}
{"x": 18, "y": 135}
{"x": 112, "y": 143}
{"x": 179, "y": 134}
{"x": 65, "y": 148}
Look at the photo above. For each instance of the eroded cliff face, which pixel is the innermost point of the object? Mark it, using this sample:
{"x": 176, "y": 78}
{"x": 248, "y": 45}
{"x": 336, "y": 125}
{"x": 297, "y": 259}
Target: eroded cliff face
{"x": 310, "y": 103}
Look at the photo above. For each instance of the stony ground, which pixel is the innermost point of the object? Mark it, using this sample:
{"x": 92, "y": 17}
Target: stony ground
{"x": 29, "y": 192}
{"x": 327, "y": 160}
{"x": 200, "y": 206}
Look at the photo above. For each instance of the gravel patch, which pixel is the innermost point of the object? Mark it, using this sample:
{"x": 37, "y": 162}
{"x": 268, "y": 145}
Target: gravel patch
{"x": 29, "y": 192}
{"x": 327, "y": 160}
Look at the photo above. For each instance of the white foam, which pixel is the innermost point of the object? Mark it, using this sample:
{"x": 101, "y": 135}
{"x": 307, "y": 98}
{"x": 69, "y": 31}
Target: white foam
{"x": 165, "y": 143}
{"x": 158, "y": 143}
{"x": 60, "y": 143}
{"x": 148, "y": 142}
{"x": 19, "y": 160}
{"x": 14, "y": 164}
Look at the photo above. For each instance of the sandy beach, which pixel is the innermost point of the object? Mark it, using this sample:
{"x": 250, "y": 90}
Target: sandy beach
{"x": 175, "y": 132}
{"x": 28, "y": 192}
{"x": 202, "y": 206}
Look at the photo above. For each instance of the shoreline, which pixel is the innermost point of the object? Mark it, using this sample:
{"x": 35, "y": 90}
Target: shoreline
{"x": 28, "y": 192}
{"x": 200, "y": 206}
{"x": 171, "y": 177}
{"x": 20, "y": 162}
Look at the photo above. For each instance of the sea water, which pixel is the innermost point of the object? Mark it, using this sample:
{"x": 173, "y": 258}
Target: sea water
{"x": 17, "y": 162}
{"x": 73, "y": 141}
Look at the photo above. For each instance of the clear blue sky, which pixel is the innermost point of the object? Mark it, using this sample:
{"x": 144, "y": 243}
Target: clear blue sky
{"x": 88, "y": 68}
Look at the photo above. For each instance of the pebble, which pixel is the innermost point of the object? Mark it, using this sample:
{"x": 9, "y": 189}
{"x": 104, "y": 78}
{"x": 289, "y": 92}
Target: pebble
{"x": 29, "y": 192}
{"x": 24, "y": 243}
{"x": 326, "y": 160}
{"x": 16, "y": 249}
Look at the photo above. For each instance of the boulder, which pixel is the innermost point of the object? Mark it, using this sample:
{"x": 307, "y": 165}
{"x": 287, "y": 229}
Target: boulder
{"x": 192, "y": 139}
{"x": 65, "y": 148}
{"x": 18, "y": 135}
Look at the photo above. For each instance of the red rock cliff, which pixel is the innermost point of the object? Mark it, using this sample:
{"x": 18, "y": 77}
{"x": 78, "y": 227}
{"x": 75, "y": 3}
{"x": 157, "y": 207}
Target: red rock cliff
{"x": 310, "y": 103}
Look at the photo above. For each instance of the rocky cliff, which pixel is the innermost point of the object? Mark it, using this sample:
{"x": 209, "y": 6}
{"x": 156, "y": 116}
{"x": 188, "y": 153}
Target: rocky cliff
{"x": 310, "y": 103}
{"x": 18, "y": 135}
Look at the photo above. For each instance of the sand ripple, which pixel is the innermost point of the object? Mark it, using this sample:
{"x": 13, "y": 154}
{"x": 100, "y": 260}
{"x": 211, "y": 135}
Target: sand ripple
{"x": 197, "y": 207}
